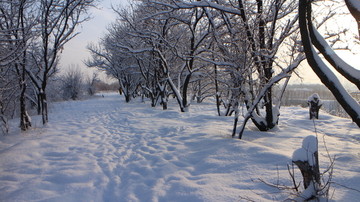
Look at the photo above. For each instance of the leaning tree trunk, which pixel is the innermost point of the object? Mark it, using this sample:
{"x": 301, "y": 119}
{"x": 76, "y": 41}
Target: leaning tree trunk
{"x": 327, "y": 77}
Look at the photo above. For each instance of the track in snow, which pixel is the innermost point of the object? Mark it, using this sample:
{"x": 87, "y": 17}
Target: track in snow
{"x": 103, "y": 149}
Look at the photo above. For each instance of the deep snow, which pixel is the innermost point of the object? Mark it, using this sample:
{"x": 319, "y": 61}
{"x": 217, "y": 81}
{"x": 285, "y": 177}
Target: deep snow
{"x": 104, "y": 149}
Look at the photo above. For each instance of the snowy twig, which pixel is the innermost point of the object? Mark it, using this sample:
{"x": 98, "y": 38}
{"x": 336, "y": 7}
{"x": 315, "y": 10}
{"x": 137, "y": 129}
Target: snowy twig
{"x": 292, "y": 175}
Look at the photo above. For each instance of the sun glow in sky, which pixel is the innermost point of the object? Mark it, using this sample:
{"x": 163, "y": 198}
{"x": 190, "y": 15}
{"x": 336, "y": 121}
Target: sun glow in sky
{"x": 75, "y": 52}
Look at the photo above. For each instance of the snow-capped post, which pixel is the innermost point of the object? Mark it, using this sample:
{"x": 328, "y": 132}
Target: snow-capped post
{"x": 315, "y": 104}
{"x": 307, "y": 159}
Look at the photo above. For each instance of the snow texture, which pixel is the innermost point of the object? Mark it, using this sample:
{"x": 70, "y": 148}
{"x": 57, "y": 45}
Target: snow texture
{"x": 104, "y": 149}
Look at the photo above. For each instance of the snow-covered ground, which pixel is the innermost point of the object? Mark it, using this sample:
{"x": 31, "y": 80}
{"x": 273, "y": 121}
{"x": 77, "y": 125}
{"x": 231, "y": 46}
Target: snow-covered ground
{"x": 103, "y": 149}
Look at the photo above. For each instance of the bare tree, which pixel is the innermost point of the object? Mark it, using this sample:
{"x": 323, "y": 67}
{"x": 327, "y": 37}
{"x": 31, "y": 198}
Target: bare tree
{"x": 57, "y": 22}
{"x": 32, "y": 35}
{"x": 118, "y": 65}
{"x": 90, "y": 83}
{"x": 267, "y": 27}
{"x": 19, "y": 22}
{"x": 72, "y": 83}
{"x": 272, "y": 50}
{"x": 170, "y": 42}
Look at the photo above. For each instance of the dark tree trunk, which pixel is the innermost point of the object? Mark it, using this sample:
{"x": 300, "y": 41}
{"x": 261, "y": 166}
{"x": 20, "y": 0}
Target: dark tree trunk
{"x": 164, "y": 105}
{"x": 198, "y": 97}
{"x": 217, "y": 93}
{"x": 44, "y": 106}
{"x": 163, "y": 99}
{"x": 38, "y": 99}
{"x": 25, "y": 122}
{"x": 264, "y": 66}
{"x": 309, "y": 173}
{"x": 153, "y": 99}
{"x": 268, "y": 99}
{"x": 127, "y": 98}
{"x": 262, "y": 126}
{"x": 228, "y": 110}
{"x": 235, "y": 125}
{"x": 184, "y": 91}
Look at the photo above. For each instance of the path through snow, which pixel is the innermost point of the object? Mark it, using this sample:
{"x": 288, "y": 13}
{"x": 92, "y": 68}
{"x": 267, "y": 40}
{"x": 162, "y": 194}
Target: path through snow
{"x": 103, "y": 149}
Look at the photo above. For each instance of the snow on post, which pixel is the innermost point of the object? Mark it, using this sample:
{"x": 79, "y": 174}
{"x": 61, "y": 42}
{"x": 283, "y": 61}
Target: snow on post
{"x": 315, "y": 104}
{"x": 306, "y": 158}
{"x": 307, "y": 151}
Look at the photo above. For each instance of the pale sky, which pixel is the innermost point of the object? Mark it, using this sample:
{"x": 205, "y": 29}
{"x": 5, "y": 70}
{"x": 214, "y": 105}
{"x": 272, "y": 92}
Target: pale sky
{"x": 75, "y": 51}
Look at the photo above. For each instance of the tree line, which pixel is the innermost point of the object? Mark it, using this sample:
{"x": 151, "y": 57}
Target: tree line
{"x": 234, "y": 51}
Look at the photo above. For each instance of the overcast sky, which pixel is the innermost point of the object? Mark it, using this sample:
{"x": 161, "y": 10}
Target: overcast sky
{"x": 75, "y": 51}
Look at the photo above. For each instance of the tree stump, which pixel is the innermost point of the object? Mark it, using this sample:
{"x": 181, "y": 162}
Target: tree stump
{"x": 310, "y": 173}
{"x": 307, "y": 160}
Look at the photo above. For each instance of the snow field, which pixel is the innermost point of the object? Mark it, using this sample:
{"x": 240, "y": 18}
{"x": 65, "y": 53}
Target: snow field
{"x": 103, "y": 149}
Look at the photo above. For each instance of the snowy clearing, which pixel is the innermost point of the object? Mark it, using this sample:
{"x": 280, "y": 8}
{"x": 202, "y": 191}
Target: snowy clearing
{"x": 103, "y": 149}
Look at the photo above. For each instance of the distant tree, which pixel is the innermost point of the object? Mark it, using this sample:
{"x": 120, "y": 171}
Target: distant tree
{"x": 72, "y": 83}
{"x": 120, "y": 66}
{"x": 90, "y": 83}
{"x": 172, "y": 41}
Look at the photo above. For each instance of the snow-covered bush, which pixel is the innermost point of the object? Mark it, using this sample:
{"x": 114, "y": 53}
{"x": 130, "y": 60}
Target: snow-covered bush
{"x": 72, "y": 84}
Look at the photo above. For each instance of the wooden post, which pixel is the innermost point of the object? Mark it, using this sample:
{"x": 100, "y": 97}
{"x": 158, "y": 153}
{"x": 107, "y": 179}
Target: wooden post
{"x": 309, "y": 173}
